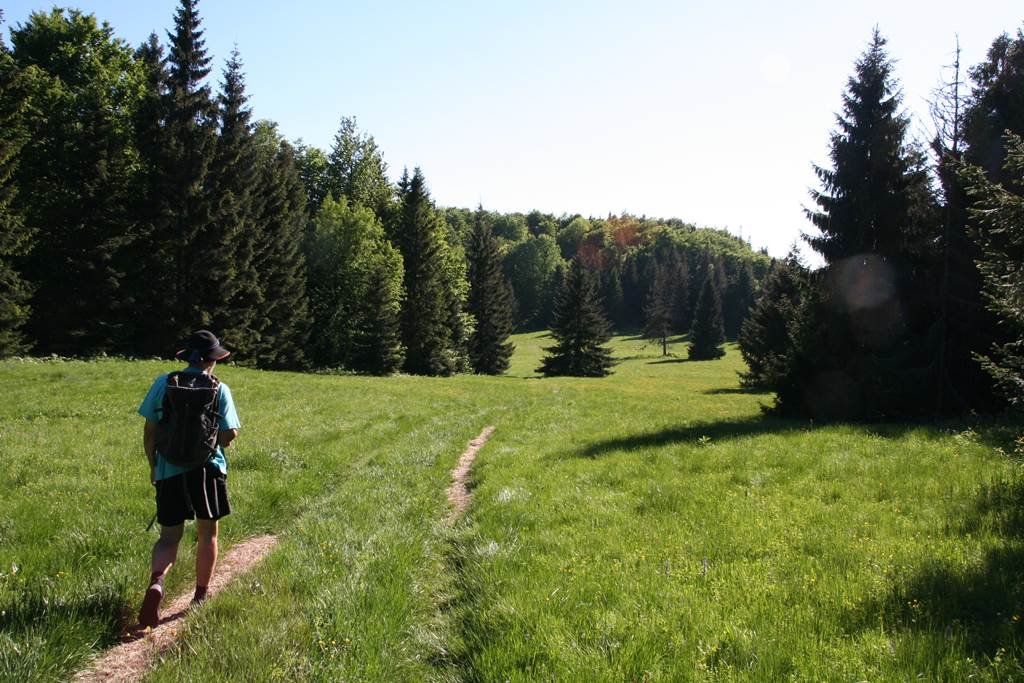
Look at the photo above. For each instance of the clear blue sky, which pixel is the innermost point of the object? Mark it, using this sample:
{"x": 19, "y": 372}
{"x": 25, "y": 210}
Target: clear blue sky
{"x": 709, "y": 111}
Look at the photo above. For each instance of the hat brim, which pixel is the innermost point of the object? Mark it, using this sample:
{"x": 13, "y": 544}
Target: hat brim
{"x": 216, "y": 353}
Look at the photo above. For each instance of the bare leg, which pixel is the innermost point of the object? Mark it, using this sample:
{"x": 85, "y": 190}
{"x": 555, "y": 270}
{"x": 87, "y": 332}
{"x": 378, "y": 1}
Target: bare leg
{"x": 165, "y": 550}
{"x": 206, "y": 554}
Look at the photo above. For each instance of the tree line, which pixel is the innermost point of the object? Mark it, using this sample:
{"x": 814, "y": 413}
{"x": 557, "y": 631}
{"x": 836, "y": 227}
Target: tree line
{"x": 138, "y": 203}
{"x": 919, "y": 309}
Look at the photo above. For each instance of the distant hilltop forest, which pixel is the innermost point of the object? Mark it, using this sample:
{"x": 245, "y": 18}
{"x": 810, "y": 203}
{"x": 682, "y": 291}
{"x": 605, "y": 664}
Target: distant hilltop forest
{"x": 140, "y": 201}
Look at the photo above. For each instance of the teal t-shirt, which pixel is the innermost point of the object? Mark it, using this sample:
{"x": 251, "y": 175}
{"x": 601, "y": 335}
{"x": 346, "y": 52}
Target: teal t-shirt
{"x": 152, "y": 407}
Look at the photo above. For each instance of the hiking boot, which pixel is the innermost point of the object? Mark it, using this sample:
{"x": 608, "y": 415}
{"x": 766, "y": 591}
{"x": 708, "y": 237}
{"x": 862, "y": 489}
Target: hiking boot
{"x": 149, "y": 614}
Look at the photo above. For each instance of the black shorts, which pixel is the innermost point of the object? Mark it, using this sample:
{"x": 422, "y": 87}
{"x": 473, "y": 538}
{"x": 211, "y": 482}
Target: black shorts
{"x": 201, "y": 493}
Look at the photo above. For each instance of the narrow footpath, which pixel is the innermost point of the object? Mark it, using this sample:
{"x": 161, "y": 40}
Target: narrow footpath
{"x": 133, "y": 658}
{"x": 458, "y": 492}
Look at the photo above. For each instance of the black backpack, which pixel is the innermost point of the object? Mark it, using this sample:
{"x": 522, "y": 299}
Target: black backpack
{"x": 186, "y": 434}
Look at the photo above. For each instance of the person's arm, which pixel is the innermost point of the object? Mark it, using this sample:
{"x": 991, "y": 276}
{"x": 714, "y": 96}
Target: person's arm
{"x": 226, "y": 436}
{"x": 149, "y": 445}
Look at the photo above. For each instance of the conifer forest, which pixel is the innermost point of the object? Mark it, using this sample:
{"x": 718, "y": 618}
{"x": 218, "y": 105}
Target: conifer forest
{"x": 141, "y": 197}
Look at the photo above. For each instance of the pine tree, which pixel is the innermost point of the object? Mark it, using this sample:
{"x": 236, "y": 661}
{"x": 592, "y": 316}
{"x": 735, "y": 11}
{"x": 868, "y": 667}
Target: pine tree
{"x": 283, "y": 327}
{"x": 998, "y": 214}
{"x": 15, "y": 237}
{"x": 229, "y": 290}
{"x": 489, "y": 301}
{"x": 764, "y": 335}
{"x": 658, "y": 311}
{"x": 708, "y": 333}
{"x": 869, "y": 196}
{"x": 184, "y": 206}
{"x": 426, "y": 310}
{"x": 579, "y": 329}
{"x": 378, "y": 343}
{"x": 682, "y": 312}
{"x": 870, "y": 324}
{"x": 613, "y": 297}
{"x": 739, "y": 297}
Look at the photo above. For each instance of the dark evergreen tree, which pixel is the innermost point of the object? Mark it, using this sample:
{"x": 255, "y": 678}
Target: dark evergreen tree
{"x": 765, "y": 333}
{"x": 708, "y": 332}
{"x": 378, "y": 348}
{"x": 184, "y": 206}
{"x": 229, "y": 288}
{"x": 15, "y": 236}
{"x": 283, "y": 327}
{"x": 739, "y": 297}
{"x": 658, "y": 312}
{"x": 998, "y": 213}
{"x": 426, "y": 309}
{"x": 871, "y": 195}
{"x": 489, "y": 301}
{"x": 682, "y": 312}
{"x": 633, "y": 291}
{"x": 75, "y": 177}
{"x": 579, "y": 329}
{"x": 870, "y": 326}
{"x": 613, "y": 297}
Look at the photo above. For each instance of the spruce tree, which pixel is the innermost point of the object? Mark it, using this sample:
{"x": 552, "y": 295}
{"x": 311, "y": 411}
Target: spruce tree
{"x": 489, "y": 301}
{"x": 764, "y": 334}
{"x": 877, "y": 181}
{"x": 15, "y": 237}
{"x": 658, "y": 312}
{"x": 613, "y": 297}
{"x": 378, "y": 341}
{"x": 708, "y": 333}
{"x": 229, "y": 289}
{"x": 427, "y": 307}
{"x": 739, "y": 297}
{"x": 998, "y": 214}
{"x": 682, "y": 312}
{"x": 283, "y": 326}
{"x": 579, "y": 329}
{"x": 185, "y": 208}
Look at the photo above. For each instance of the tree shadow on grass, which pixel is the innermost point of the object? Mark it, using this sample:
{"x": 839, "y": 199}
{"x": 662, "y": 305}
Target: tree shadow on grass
{"x": 725, "y": 391}
{"x": 669, "y": 360}
{"x": 980, "y": 605}
{"x": 692, "y": 433}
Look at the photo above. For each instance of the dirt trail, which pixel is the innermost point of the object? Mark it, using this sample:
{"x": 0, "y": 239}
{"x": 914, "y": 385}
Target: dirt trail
{"x": 131, "y": 660}
{"x": 458, "y": 494}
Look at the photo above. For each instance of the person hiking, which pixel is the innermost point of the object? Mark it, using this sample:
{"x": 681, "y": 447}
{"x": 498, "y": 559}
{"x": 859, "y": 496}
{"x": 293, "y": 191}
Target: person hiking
{"x": 190, "y": 420}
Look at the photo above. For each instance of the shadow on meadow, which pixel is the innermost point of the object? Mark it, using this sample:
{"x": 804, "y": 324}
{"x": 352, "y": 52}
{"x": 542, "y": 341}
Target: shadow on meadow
{"x": 692, "y": 433}
{"x": 980, "y": 605}
{"x": 36, "y": 610}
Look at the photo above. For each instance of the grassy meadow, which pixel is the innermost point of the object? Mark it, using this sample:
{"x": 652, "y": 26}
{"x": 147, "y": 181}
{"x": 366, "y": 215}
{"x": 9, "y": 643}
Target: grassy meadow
{"x": 652, "y": 525}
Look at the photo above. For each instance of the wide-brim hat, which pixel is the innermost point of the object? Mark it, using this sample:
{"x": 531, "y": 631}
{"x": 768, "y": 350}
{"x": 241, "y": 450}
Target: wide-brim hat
{"x": 202, "y": 345}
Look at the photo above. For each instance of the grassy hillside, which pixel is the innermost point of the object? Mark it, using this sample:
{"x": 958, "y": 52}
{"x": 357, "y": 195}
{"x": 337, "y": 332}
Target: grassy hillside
{"x": 650, "y": 525}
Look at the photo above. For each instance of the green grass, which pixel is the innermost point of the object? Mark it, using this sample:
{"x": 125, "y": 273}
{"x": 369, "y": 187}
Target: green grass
{"x": 652, "y": 525}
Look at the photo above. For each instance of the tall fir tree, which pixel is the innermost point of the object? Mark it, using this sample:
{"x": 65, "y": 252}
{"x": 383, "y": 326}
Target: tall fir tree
{"x": 998, "y": 214}
{"x": 579, "y": 328}
{"x": 75, "y": 176}
{"x": 870, "y": 197}
{"x": 283, "y": 327}
{"x": 870, "y": 325}
{"x": 708, "y": 332}
{"x": 613, "y": 296}
{"x": 230, "y": 292}
{"x": 739, "y": 297}
{"x": 426, "y": 311}
{"x": 764, "y": 334}
{"x": 15, "y": 236}
{"x": 489, "y": 301}
{"x": 682, "y": 312}
{"x": 184, "y": 207}
{"x": 658, "y": 312}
